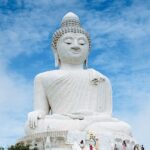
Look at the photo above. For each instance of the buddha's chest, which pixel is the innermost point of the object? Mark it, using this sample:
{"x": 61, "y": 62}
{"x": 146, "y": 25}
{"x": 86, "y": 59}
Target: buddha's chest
{"x": 73, "y": 91}
{"x": 71, "y": 84}
{"x": 76, "y": 81}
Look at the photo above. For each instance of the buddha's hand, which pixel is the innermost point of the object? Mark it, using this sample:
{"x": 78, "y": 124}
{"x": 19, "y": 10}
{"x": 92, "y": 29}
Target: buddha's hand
{"x": 33, "y": 118}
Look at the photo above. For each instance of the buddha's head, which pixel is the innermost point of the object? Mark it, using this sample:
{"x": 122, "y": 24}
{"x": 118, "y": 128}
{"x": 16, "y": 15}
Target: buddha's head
{"x": 71, "y": 43}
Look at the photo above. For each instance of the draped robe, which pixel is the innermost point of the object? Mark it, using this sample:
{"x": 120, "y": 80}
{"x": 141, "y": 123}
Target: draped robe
{"x": 69, "y": 92}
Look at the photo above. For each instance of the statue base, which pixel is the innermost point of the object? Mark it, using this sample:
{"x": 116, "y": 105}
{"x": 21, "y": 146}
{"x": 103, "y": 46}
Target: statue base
{"x": 77, "y": 140}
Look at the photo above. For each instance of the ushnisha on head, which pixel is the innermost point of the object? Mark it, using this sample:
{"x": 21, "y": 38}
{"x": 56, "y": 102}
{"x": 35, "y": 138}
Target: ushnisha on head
{"x": 70, "y": 32}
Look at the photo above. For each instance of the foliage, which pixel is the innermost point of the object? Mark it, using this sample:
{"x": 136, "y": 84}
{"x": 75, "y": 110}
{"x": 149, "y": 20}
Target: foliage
{"x": 19, "y": 146}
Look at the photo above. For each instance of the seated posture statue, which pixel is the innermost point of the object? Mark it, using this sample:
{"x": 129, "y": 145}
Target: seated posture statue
{"x": 73, "y": 97}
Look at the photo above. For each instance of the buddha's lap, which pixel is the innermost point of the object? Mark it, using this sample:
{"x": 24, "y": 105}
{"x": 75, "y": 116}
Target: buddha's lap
{"x": 114, "y": 127}
{"x": 81, "y": 125}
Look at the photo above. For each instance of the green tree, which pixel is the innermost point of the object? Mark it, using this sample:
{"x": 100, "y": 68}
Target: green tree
{"x": 1, "y": 148}
{"x": 19, "y": 146}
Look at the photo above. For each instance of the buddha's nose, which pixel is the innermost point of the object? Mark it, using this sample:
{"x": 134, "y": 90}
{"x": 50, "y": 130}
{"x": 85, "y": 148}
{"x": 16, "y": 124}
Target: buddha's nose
{"x": 75, "y": 47}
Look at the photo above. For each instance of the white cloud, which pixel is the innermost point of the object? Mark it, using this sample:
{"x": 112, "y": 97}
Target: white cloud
{"x": 15, "y": 102}
{"x": 141, "y": 124}
{"x": 132, "y": 23}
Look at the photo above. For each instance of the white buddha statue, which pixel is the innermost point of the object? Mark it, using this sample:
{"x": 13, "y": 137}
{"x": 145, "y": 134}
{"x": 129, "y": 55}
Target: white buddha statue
{"x": 73, "y": 97}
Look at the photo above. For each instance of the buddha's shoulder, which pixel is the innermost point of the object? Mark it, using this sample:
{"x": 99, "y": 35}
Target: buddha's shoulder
{"x": 47, "y": 75}
{"x": 99, "y": 74}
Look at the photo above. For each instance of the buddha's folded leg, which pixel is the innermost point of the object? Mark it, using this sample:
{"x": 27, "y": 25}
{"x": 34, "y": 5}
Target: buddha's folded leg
{"x": 56, "y": 123}
{"x": 110, "y": 127}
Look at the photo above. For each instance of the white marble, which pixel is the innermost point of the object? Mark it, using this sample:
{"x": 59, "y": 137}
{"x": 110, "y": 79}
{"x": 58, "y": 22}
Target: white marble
{"x": 73, "y": 97}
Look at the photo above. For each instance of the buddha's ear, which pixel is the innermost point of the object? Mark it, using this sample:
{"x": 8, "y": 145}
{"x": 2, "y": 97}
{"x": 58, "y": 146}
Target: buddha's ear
{"x": 86, "y": 63}
{"x": 57, "y": 60}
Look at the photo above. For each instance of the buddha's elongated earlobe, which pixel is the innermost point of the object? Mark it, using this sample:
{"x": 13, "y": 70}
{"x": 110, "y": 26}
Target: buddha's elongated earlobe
{"x": 86, "y": 63}
{"x": 57, "y": 59}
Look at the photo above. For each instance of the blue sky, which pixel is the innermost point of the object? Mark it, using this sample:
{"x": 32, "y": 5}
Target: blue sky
{"x": 120, "y": 33}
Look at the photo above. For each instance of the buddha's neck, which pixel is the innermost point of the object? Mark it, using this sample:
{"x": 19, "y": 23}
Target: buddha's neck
{"x": 65, "y": 66}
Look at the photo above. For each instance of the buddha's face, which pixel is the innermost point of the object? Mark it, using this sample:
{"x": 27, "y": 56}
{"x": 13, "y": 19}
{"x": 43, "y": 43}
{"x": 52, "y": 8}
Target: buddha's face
{"x": 73, "y": 48}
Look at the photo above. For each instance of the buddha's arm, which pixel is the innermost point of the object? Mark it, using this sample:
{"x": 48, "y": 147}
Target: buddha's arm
{"x": 105, "y": 101}
{"x": 40, "y": 99}
{"x": 108, "y": 97}
{"x": 41, "y": 106}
